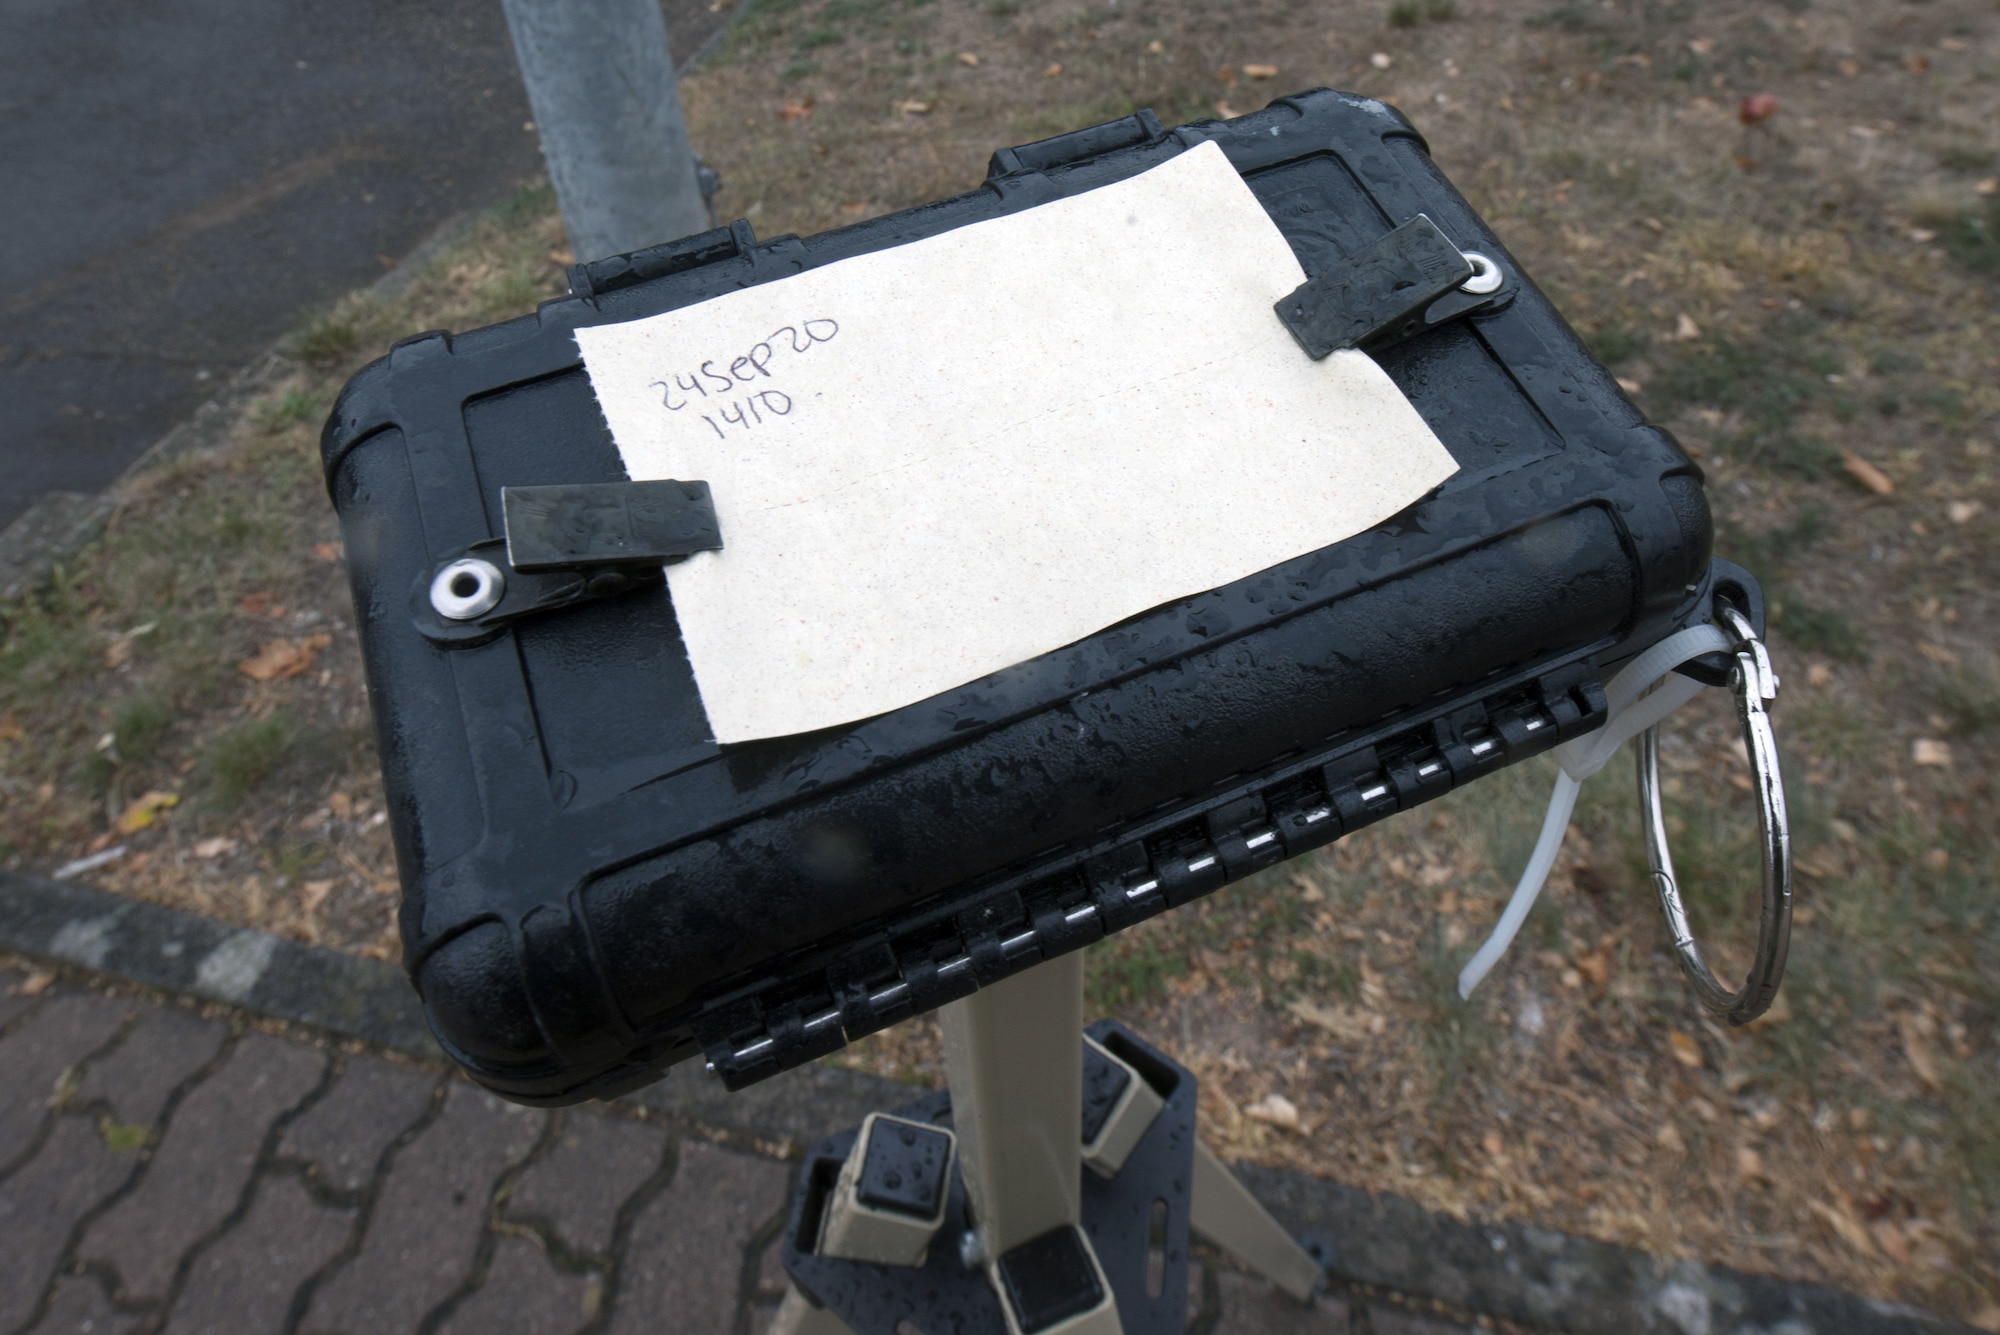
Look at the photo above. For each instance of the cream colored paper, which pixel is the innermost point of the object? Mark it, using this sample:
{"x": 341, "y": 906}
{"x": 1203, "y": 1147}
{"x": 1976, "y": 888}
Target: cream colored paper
{"x": 937, "y": 460}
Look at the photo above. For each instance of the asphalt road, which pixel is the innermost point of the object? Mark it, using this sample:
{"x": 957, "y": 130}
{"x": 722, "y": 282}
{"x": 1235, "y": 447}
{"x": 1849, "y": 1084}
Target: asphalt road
{"x": 184, "y": 180}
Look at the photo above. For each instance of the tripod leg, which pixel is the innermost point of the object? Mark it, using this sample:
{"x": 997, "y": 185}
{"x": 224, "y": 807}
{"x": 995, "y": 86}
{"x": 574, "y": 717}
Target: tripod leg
{"x": 1224, "y": 1212}
{"x": 1014, "y": 1055}
{"x": 796, "y": 1316}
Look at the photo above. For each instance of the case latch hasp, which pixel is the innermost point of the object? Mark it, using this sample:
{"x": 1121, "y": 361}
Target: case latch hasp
{"x": 1406, "y": 282}
{"x": 577, "y": 542}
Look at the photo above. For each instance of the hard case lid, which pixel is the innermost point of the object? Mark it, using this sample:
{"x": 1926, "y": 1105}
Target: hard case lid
{"x": 595, "y": 890}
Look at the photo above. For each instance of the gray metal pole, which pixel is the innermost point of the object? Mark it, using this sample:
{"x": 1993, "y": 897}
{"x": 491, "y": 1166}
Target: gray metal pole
{"x": 608, "y": 108}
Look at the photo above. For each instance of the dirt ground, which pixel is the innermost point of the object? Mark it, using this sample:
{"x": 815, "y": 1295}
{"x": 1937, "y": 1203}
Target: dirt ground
{"x": 1804, "y": 292}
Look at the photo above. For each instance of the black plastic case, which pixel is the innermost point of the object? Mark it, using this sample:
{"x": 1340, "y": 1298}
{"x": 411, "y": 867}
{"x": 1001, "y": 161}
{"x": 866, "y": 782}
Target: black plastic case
{"x": 593, "y": 890}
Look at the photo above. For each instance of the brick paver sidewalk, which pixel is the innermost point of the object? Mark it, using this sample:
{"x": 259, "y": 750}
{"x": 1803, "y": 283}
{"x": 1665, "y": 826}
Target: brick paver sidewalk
{"x": 162, "y": 1170}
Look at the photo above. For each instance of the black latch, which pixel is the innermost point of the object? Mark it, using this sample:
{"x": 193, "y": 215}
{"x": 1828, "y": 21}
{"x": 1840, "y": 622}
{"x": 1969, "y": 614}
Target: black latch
{"x": 1411, "y": 280}
{"x": 607, "y": 523}
{"x": 564, "y": 545}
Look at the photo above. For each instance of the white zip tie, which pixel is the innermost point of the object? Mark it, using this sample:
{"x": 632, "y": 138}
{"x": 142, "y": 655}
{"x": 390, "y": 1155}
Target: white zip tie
{"x": 1643, "y": 693}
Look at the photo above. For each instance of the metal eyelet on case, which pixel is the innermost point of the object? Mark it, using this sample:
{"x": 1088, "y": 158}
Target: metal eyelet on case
{"x": 1486, "y": 276}
{"x": 467, "y": 588}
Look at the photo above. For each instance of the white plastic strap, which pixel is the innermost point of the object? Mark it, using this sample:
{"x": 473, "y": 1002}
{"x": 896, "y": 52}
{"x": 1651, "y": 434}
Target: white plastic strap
{"x": 1640, "y": 696}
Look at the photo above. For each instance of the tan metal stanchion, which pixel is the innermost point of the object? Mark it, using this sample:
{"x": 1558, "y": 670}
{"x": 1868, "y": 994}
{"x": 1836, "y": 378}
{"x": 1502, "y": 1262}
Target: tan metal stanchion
{"x": 1229, "y": 1216}
{"x": 1014, "y": 1057}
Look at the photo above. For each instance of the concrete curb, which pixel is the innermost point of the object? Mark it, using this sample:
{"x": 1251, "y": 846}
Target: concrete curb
{"x": 180, "y": 952}
{"x": 1533, "y": 1277}
{"x": 1546, "y": 1280}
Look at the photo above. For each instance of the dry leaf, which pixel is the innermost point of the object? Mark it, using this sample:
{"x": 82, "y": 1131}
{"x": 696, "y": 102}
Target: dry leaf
{"x": 1938, "y": 859}
{"x": 1780, "y": 1012}
{"x": 1631, "y": 386}
{"x": 1757, "y": 107}
{"x": 1274, "y": 1110}
{"x": 141, "y": 812}
{"x": 1963, "y": 512}
{"x": 1224, "y": 110}
{"x": 1156, "y": 47}
{"x": 34, "y": 984}
{"x": 1848, "y": 67}
{"x": 1750, "y": 1165}
{"x": 1669, "y": 1137}
{"x": 1261, "y": 71}
{"x": 1819, "y": 674}
{"x": 1851, "y": 1230}
{"x": 1867, "y": 474}
{"x": 1890, "y": 1239}
{"x": 312, "y": 894}
{"x": 1937, "y": 653}
{"x": 1685, "y": 329}
{"x": 796, "y": 110}
{"x": 1918, "y": 1050}
{"x": 1053, "y": 70}
{"x": 1932, "y": 752}
{"x": 214, "y": 846}
{"x": 1702, "y": 46}
{"x": 968, "y": 59}
{"x": 911, "y": 106}
{"x": 10, "y": 727}
{"x": 1343, "y": 1022}
{"x": 276, "y": 660}
{"x": 1493, "y": 1145}
{"x": 260, "y": 604}
{"x": 1595, "y": 966}
{"x": 1686, "y": 1051}
{"x": 117, "y": 653}
{"x": 341, "y": 805}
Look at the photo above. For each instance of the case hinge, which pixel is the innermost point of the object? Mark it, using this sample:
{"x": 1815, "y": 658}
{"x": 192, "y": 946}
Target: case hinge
{"x": 690, "y": 252}
{"x": 1141, "y": 127}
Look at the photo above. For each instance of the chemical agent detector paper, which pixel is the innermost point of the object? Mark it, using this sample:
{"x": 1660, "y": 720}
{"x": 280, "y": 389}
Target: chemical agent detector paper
{"x": 937, "y": 460}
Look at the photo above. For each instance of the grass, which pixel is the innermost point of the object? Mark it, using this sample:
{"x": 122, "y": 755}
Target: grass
{"x": 1766, "y": 383}
{"x": 1773, "y": 556}
{"x": 123, "y": 1137}
{"x": 1970, "y": 699}
{"x": 238, "y": 759}
{"x": 1616, "y": 343}
{"x": 1132, "y": 969}
{"x": 1973, "y": 239}
{"x": 1454, "y": 1036}
{"x": 1416, "y": 13}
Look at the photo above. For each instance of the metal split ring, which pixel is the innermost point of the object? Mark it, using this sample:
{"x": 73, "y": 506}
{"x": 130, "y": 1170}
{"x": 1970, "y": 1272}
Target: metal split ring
{"x": 1755, "y": 687}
